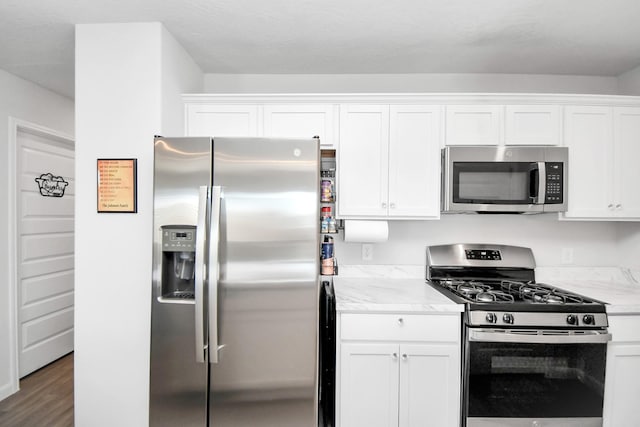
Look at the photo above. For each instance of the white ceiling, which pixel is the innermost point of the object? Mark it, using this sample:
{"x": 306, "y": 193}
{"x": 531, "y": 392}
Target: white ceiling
{"x": 581, "y": 37}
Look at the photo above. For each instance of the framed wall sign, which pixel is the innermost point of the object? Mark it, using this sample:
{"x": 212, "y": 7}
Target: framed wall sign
{"x": 117, "y": 185}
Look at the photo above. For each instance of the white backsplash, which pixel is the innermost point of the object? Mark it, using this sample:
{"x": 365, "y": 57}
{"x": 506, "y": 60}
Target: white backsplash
{"x": 555, "y": 243}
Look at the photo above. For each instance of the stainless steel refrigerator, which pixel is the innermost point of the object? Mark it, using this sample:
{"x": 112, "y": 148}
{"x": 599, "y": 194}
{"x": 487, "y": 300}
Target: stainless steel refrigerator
{"x": 235, "y": 282}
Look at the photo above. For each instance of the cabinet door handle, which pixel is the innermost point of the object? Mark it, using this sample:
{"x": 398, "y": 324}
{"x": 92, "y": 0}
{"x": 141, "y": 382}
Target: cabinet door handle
{"x": 393, "y": 205}
{"x": 400, "y": 321}
{"x": 618, "y": 206}
{"x": 384, "y": 205}
{"x": 610, "y": 206}
{"x": 394, "y": 356}
{"x": 405, "y": 357}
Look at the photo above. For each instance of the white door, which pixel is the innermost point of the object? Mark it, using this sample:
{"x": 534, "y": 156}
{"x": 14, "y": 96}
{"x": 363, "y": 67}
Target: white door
{"x": 301, "y": 121}
{"x": 368, "y": 385}
{"x": 622, "y": 389}
{"x": 532, "y": 125}
{"x": 363, "y": 160}
{"x": 473, "y": 124}
{"x": 626, "y": 155}
{"x": 222, "y": 120}
{"x": 45, "y": 253}
{"x": 414, "y": 161}
{"x": 589, "y": 136}
{"x": 429, "y": 385}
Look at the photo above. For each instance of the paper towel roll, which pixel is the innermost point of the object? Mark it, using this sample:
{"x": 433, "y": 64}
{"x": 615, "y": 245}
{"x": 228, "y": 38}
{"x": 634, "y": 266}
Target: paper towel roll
{"x": 365, "y": 231}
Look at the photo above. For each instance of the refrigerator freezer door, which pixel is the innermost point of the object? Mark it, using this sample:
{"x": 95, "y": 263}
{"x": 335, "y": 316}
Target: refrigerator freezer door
{"x": 178, "y": 384}
{"x": 266, "y": 375}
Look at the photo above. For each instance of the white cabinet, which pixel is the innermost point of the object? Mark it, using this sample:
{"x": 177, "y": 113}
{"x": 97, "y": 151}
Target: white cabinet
{"x": 626, "y": 152}
{"x": 603, "y": 170}
{"x": 389, "y": 161}
{"x": 369, "y": 385}
{"x": 429, "y": 381}
{"x": 414, "y": 161}
{"x": 363, "y": 160}
{"x": 532, "y": 125}
{"x": 622, "y": 388}
{"x": 398, "y": 370}
{"x": 268, "y": 120}
{"x": 474, "y": 124}
{"x": 291, "y": 121}
{"x": 222, "y": 120}
{"x": 503, "y": 124}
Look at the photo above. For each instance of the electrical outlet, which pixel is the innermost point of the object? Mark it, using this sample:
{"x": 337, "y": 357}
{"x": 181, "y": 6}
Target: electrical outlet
{"x": 367, "y": 252}
{"x": 567, "y": 255}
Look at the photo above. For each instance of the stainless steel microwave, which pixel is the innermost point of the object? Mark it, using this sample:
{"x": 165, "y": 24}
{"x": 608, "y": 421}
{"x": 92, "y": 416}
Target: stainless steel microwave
{"x": 504, "y": 179}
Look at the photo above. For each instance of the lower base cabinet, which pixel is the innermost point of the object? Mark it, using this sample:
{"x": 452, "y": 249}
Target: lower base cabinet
{"x": 400, "y": 383}
{"x": 622, "y": 381}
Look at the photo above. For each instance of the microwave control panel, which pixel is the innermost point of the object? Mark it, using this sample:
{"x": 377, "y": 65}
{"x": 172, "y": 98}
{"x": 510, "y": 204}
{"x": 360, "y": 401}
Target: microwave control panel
{"x": 554, "y": 188}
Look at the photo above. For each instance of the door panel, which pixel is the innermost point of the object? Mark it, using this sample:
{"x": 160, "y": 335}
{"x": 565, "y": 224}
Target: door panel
{"x": 626, "y": 155}
{"x": 588, "y": 132}
{"x": 429, "y": 385}
{"x": 46, "y": 248}
{"x": 414, "y": 161}
{"x": 363, "y": 160}
{"x": 268, "y": 283}
{"x": 369, "y": 385}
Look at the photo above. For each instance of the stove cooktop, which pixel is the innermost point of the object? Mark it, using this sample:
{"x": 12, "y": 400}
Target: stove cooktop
{"x": 498, "y": 287}
{"x": 512, "y": 295}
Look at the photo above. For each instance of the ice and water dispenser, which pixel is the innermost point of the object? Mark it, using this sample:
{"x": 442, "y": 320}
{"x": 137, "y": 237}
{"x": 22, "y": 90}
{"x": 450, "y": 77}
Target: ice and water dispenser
{"x": 178, "y": 261}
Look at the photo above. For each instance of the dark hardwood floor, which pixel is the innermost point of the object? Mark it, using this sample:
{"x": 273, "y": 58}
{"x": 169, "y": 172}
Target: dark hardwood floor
{"x": 45, "y": 398}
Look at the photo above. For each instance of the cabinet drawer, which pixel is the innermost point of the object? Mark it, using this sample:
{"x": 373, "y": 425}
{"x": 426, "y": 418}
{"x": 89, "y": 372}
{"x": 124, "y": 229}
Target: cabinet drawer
{"x": 400, "y": 327}
{"x": 625, "y": 328}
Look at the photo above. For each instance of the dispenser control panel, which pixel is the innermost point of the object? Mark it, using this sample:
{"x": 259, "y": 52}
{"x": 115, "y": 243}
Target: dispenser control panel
{"x": 178, "y": 238}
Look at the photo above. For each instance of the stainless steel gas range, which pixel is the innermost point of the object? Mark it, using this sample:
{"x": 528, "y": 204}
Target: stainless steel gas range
{"x": 533, "y": 354}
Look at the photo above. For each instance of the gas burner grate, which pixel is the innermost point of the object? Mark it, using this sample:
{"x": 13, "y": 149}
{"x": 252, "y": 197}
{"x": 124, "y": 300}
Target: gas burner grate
{"x": 494, "y": 296}
{"x": 539, "y": 293}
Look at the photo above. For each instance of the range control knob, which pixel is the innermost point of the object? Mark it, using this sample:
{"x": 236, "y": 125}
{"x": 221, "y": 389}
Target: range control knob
{"x": 491, "y": 318}
{"x": 572, "y": 319}
{"x": 588, "y": 319}
{"x": 507, "y": 318}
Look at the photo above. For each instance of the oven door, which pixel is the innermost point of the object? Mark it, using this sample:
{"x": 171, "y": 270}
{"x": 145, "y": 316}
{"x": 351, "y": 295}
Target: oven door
{"x": 534, "y": 378}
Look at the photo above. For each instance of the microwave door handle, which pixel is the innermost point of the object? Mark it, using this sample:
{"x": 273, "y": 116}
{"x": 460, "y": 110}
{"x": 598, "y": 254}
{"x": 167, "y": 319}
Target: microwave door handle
{"x": 214, "y": 272}
{"x": 542, "y": 183}
{"x": 200, "y": 274}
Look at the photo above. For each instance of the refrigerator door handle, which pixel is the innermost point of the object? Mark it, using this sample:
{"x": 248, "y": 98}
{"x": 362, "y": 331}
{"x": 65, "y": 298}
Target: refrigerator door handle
{"x": 214, "y": 272}
{"x": 200, "y": 274}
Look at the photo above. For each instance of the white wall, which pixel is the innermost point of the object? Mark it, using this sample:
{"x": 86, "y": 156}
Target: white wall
{"x": 629, "y": 82}
{"x": 379, "y": 83}
{"x": 629, "y": 245}
{"x": 26, "y": 101}
{"x": 129, "y": 78}
{"x": 593, "y": 243}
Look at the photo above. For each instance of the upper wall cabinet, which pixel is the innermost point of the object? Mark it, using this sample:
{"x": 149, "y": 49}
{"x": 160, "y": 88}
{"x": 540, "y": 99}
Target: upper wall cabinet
{"x": 474, "y": 124}
{"x": 389, "y": 161}
{"x": 532, "y": 125}
{"x": 503, "y": 124}
{"x": 603, "y": 162}
{"x": 363, "y": 160}
{"x": 268, "y": 120}
{"x": 222, "y": 120}
{"x": 292, "y": 121}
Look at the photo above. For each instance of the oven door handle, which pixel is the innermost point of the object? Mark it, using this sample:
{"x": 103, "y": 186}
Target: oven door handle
{"x": 541, "y": 337}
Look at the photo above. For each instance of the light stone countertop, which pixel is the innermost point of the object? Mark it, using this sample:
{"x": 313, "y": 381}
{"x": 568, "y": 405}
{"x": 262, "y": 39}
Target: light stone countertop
{"x": 375, "y": 295}
{"x": 619, "y": 288}
{"x": 620, "y": 297}
{"x": 378, "y": 288}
